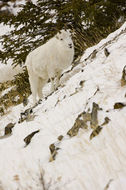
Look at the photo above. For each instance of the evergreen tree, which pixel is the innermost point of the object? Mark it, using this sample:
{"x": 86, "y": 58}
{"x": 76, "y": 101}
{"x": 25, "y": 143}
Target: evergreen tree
{"x": 35, "y": 24}
{"x": 4, "y": 11}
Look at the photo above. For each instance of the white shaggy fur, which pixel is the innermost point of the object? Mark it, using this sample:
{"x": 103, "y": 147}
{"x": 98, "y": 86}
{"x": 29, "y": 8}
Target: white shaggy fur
{"x": 48, "y": 61}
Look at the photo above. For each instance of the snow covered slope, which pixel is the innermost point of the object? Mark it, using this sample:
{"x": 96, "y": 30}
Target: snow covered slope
{"x": 75, "y": 139}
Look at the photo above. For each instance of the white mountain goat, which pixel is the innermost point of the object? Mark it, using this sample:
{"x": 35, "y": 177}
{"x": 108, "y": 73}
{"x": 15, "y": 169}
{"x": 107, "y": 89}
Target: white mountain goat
{"x": 48, "y": 61}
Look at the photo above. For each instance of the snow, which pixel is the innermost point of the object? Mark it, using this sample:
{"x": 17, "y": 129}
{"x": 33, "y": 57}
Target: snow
{"x": 80, "y": 163}
{"x": 7, "y": 72}
{"x": 14, "y": 7}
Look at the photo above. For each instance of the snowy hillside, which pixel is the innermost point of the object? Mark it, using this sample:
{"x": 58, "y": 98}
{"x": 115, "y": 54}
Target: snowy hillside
{"x": 74, "y": 139}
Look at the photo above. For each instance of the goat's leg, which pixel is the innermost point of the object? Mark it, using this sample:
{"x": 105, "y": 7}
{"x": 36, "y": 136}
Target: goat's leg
{"x": 52, "y": 84}
{"x": 57, "y": 81}
{"x": 41, "y": 83}
{"x": 34, "y": 87}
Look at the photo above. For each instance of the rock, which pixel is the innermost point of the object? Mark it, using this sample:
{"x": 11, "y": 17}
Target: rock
{"x": 119, "y": 105}
{"x": 107, "y": 53}
{"x": 82, "y": 83}
{"x": 60, "y": 137}
{"x": 25, "y": 115}
{"x": 95, "y": 132}
{"x": 53, "y": 150}
{"x": 123, "y": 79}
{"x": 79, "y": 123}
{"x": 8, "y": 128}
{"x": 27, "y": 139}
{"x": 93, "y": 55}
{"x": 106, "y": 121}
{"x": 86, "y": 116}
{"x": 94, "y": 119}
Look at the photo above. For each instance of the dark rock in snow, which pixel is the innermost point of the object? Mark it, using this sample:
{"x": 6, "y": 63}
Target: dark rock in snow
{"x": 24, "y": 115}
{"x": 95, "y": 132}
{"x": 82, "y": 83}
{"x": 106, "y": 121}
{"x": 123, "y": 79}
{"x": 107, "y": 53}
{"x": 8, "y": 131}
{"x": 8, "y": 128}
{"x": 79, "y": 123}
{"x": 27, "y": 139}
{"x": 60, "y": 137}
{"x": 94, "y": 117}
{"x": 53, "y": 151}
{"x": 119, "y": 105}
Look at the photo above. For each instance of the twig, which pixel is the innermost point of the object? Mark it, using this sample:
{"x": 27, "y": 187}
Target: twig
{"x": 97, "y": 90}
{"x": 108, "y": 184}
{"x": 41, "y": 177}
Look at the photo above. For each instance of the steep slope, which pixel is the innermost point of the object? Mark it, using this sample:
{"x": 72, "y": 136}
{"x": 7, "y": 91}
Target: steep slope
{"x": 75, "y": 139}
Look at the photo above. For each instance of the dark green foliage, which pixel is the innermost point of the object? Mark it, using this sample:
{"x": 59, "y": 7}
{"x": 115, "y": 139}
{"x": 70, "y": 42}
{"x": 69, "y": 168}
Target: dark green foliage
{"x": 20, "y": 90}
{"x": 5, "y": 12}
{"x": 35, "y": 24}
{"x": 22, "y": 83}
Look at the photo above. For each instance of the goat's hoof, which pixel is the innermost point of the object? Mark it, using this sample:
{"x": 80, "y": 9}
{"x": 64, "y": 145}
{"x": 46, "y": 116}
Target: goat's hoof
{"x": 56, "y": 88}
{"x": 40, "y": 101}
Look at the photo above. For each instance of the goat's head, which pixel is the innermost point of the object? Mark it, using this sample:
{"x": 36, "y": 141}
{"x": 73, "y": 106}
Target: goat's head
{"x": 65, "y": 37}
